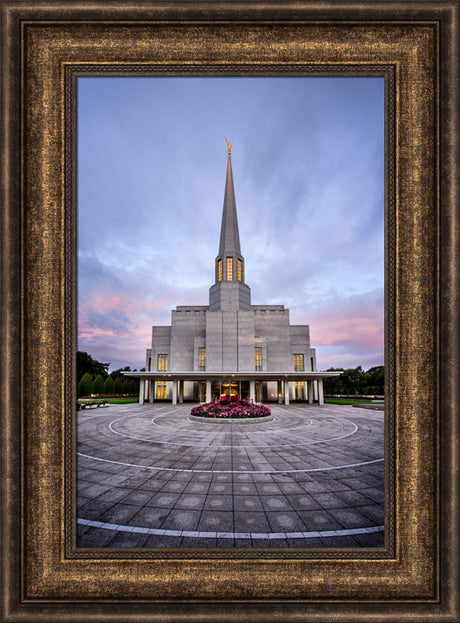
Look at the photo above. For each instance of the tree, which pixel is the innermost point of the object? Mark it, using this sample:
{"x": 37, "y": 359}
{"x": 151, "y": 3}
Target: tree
{"x": 98, "y": 385}
{"x": 133, "y": 389}
{"x": 117, "y": 387}
{"x": 108, "y": 385}
{"x": 117, "y": 374}
{"x": 85, "y": 387}
{"x": 126, "y": 386}
{"x": 355, "y": 381}
{"x": 86, "y": 364}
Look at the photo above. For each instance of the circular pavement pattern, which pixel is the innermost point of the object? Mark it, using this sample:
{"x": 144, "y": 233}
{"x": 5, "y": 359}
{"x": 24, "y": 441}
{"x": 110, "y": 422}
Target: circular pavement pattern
{"x": 148, "y": 476}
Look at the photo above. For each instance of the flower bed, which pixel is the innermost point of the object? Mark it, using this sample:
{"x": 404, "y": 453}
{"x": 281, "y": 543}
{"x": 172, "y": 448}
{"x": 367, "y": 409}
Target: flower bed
{"x": 231, "y": 407}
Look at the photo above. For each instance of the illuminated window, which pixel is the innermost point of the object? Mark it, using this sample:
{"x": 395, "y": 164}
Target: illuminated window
{"x": 229, "y": 268}
{"x": 299, "y": 388}
{"x": 162, "y": 362}
{"x": 219, "y": 270}
{"x": 161, "y": 390}
{"x": 298, "y": 362}
{"x": 202, "y": 359}
{"x": 258, "y": 358}
{"x": 240, "y": 270}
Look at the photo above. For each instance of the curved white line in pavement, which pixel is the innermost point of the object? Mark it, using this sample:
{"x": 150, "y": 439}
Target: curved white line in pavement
{"x": 229, "y": 535}
{"x": 203, "y": 445}
{"x": 230, "y": 471}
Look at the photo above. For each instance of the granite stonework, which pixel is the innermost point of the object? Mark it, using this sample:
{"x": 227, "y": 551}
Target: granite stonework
{"x": 231, "y": 346}
{"x": 230, "y": 328}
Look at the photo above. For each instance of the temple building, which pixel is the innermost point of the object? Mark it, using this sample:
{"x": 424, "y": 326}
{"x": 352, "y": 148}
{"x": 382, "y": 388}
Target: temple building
{"x": 231, "y": 346}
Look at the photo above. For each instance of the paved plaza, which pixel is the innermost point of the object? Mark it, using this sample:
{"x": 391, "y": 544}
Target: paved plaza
{"x": 148, "y": 476}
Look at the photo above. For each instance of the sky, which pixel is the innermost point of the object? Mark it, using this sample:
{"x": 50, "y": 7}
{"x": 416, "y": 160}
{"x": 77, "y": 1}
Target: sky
{"x": 308, "y": 169}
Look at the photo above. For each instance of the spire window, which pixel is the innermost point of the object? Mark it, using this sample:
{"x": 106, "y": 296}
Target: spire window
{"x": 219, "y": 270}
{"x": 229, "y": 268}
{"x": 258, "y": 358}
{"x": 240, "y": 270}
{"x": 202, "y": 359}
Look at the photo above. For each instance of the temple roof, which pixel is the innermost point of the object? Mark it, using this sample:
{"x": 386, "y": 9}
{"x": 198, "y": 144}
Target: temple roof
{"x": 229, "y": 235}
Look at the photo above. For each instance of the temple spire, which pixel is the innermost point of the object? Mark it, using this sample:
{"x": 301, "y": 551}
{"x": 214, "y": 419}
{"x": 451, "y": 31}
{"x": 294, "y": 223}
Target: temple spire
{"x": 229, "y": 235}
{"x": 229, "y": 292}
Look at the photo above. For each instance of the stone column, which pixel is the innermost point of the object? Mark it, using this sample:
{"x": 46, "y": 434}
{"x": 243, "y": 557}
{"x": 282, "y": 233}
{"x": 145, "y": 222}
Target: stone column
{"x": 315, "y": 390}
{"x": 208, "y": 390}
{"x": 286, "y": 392}
{"x": 141, "y": 392}
{"x": 280, "y": 392}
{"x": 174, "y": 392}
{"x": 181, "y": 392}
{"x": 320, "y": 392}
{"x": 310, "y": 392}
{"x": 252, "y": 391}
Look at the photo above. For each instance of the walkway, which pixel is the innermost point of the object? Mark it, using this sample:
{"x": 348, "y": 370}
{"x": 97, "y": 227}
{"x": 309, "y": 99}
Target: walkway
{"x": 150, "y": 477}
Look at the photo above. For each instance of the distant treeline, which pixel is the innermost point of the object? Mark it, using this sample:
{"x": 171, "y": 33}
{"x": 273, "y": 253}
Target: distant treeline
{"x": 356, "y": 381}
{"x": 93, "y": 378}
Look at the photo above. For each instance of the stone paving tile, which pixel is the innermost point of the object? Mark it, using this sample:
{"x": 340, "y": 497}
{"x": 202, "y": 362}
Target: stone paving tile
{"x": 148, "y": 517}
{"x": 163, "y": 541}
{"x": 285, "y": 522}
{"x": 328, "y": 500}
{"x": 118, "y": 514}
{"x": 114, "y": 495}
{"x": 218, "y": 502}
{"x": 190, "y": 501}
{"x": 376, "y": 513}
{"x": 247, "y": 503}
{"x": 96, "y": 537}
{"x": 340, "y": 541}
{"x": 179, "y": 519}
{"x": 254, "y": 501}
{"x": 198, "y": 542}
{"x": 163, "y": 500}
{"x": 318, "y": 520}
{"x": 93, "y": 509}
{"x": 218, "y": 521}
{"x": 220, "y": 488}
{"x": 138, "y": 497}
{"x": 129, "y": 539}
{"x": 275, "y": 502}
{"x": 303, "y": 502}
{"x": 251, "y": 522}
{"x": 348, "y": 517}
{"x": 370, "y": 540}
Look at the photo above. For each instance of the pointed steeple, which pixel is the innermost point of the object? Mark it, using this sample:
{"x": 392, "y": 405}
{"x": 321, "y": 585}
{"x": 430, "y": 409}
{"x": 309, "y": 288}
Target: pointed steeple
{"x": 229, "y": 291}
{"x": 229, "y": 235}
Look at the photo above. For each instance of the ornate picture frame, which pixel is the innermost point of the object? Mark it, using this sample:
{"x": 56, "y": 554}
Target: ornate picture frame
{"x": 45, "y": 45}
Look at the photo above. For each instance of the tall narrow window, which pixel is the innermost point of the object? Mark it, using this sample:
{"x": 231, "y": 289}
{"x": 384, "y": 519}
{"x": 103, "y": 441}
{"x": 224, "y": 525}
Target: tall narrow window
{"x": 258, "y": 358}
{"x": 298, "y": 362}
{"x": 299, "y": 389}
{"x": 240, "y": 270}
{"x": 161, "y": 390}
{"x": 202, "y": 359}
{"x": 162, "y": 362}
{"x": 312, "y": 363}
{"x": 229, "y": 268}
{"x": 219, "y": 270}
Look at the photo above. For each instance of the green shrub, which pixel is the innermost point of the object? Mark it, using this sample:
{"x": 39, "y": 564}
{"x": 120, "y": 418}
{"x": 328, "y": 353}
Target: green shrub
{"x": 98, "y": 385}
{"x": 85, "y": 387}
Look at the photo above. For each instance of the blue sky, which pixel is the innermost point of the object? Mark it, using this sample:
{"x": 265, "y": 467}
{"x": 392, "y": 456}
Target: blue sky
{"x": 308, "y": 166}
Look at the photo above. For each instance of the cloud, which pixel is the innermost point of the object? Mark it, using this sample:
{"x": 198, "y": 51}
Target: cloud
{"x": 308, "y": 170}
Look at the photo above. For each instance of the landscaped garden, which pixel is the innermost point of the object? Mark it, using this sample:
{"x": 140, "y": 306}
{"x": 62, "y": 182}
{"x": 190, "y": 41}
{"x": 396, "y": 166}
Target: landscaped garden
{"x": 231, "y": 407}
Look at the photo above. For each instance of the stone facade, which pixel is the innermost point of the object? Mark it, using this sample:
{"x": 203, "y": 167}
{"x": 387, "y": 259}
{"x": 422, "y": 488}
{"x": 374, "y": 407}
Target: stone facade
{"x": 230, "y": 335}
